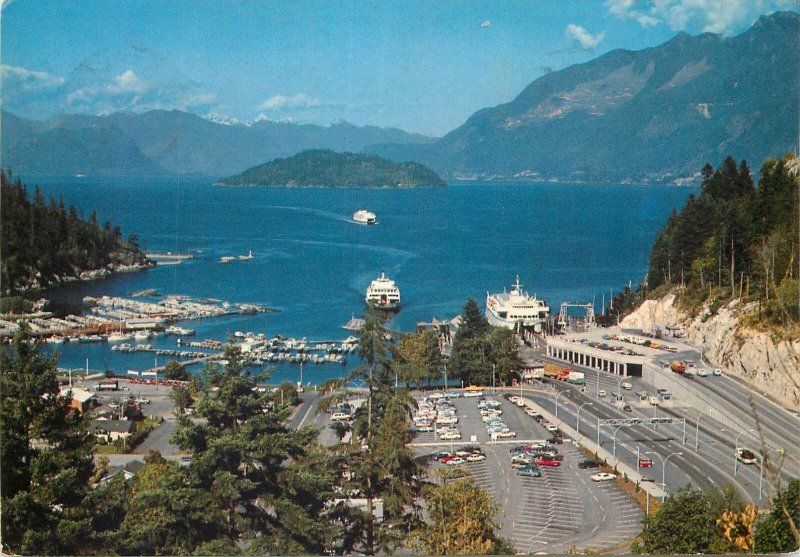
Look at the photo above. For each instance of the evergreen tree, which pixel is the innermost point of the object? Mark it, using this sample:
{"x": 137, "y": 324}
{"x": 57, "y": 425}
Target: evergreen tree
{"x": 45, "y": 449}
{"x": 779, "y": 532}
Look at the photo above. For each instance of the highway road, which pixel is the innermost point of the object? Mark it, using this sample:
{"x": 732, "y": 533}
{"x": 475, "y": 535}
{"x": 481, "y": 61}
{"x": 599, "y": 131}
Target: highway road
{"x": 713, "y": 463}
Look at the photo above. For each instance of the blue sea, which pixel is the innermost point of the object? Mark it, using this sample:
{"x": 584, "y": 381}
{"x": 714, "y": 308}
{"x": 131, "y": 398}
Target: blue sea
{"x": 567, "y": 242}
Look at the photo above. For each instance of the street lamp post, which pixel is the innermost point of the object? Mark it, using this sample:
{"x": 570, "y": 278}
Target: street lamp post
{"x": 597, "y": 375}
{"x": 494, "y": 390}
{"x": 558, "y": 395}
{"x": 664, "y": 470}
{"x": 614, "y": 439}
{"x": 578, "y": 420}
{"x": 697, "y": 431}
{"x": 736, "y": 446}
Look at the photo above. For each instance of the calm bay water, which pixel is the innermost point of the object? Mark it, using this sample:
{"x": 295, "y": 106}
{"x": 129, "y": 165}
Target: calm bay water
{"x": 567, "y": 242}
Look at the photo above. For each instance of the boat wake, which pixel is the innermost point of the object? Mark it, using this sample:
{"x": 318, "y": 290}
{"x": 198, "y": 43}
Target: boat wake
{"x": 317, "y": 212}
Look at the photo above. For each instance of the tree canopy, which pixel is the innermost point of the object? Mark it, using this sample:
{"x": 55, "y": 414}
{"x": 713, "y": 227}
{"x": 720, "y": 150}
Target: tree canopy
{"x": 736, "y": 239}
{"x": 42, "y": 242}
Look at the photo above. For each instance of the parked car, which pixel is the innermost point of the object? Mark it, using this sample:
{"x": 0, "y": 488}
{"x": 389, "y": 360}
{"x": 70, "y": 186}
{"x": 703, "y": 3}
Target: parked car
{"x": 455, "y": 461}
{"x": 588, "y": 463}
{"x": 530, "y": 471}
{"x": 476, "y": 457}
{"x": 442, "y": 454}
{"x": 551, "y": 427}
{"x": 450, "y": 436}
{"x": 506, "y": 434}
{"x": 645, "y": 463}
{"x": 603, "y": 477}
{"x": 340, "y": 417}
{"x": 556, "y": 440}
{"x": 547, "y": 462}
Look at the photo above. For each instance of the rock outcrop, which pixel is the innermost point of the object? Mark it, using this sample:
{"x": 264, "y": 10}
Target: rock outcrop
{"x": 770, "y": 366}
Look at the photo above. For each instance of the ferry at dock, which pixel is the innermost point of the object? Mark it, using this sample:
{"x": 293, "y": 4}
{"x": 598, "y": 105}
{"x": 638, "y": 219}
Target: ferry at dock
{"x": 362, "y": 216}
{"x": 383, "y": 293}
{"x": 516, "y": 308}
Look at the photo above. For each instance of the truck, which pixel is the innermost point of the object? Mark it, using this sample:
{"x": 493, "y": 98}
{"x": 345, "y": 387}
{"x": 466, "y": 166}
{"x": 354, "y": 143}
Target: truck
{"x": 108, "y": 385}
{"x": 552, "y": 371}
{"x": 678, "y": 366}
{"x": 576, "y": 378}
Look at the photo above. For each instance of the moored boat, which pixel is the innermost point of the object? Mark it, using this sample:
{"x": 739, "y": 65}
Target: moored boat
{"x": 516, "y": 308}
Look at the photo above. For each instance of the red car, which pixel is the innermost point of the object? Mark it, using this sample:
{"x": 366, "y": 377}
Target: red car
{"x": 645, "y": 463}
{"x": 547, "y": 462}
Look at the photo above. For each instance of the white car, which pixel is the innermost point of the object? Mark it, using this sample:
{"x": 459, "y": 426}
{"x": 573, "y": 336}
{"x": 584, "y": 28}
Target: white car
{"x": 746, "y": 456}
{"x": 476, "y": 457}
{"x": 627, "y": 386}
{"x": 455, "y": 461}
{"x": 447, "y": 420}
{"x": 450, "y": 436}
{"x": 603, "y": 477}
{"x": 506, "y": 434}
{"x": 702, "y": 373}
{"x": 717, "y": 372}
{"x": 473, "y": 394}
{"x": 551, "y": 427}
{"x": 141, "y": 400}
{"x": 601, "y": 393}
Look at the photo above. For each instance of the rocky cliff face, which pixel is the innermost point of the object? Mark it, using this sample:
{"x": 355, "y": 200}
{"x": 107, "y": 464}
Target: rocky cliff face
{"x": 772, "y": 367}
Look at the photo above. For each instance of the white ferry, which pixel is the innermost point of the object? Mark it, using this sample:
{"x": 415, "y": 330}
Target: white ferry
{"x": 362, "y": 216}
{"x": 383, "y": 293}
{"x": 515, "y": 308}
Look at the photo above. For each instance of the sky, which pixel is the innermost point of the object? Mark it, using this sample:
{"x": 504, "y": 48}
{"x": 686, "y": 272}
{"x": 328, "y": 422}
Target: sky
{"x": 421, "y": 65}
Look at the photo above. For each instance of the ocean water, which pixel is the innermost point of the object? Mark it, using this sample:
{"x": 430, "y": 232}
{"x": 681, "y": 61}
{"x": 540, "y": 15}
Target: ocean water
{"x": 567, "y": 242}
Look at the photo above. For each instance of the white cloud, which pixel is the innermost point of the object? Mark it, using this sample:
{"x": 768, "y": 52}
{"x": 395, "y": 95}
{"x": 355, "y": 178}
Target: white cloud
{"x": 29, "y": 79}
{"x": 715, "y": 16}
{"x": 300, "y": 100}
{"x": 198, "y": 99}
{"x": 128, "y": 82}
{"x": 486, "y": 24}
{"x": 586, "y": 39}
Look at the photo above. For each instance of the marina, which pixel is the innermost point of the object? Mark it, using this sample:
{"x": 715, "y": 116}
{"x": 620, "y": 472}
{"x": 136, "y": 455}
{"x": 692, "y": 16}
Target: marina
{"x": 116, "y": 319}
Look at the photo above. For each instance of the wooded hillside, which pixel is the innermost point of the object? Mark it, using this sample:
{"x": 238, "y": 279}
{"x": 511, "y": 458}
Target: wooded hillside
{"x": 736, "y": 239}
{"x": 43, "y": 242}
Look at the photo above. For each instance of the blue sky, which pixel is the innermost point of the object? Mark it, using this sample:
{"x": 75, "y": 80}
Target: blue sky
{"x": 421, "y": 65}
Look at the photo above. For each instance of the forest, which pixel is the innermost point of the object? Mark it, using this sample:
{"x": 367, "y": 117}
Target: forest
{"x": 325, "y": 168}
{"x": 735, "y": 240}
{"x": 44, "y": 243}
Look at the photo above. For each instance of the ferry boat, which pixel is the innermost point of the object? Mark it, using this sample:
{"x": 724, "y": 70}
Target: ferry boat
{"x": 382, "y": 293}
{"x": 516, "y": 308}
{"x": 362, "y": 216}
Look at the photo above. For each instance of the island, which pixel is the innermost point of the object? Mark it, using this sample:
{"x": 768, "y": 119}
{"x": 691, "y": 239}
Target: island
{"x": 325, "y": 168}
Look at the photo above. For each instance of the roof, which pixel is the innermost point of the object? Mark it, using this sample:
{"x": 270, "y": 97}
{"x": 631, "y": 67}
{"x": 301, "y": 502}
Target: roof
{"x": 77, "y": 393}
{"x": 117, "y": 426}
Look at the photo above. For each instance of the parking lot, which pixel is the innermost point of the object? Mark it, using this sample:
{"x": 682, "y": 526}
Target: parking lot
{"x": 561, "y": 511}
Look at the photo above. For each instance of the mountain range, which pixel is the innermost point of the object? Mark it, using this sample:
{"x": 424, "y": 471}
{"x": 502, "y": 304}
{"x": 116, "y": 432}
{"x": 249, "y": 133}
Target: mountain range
{"x": 647, "y": 116}
{"x": 163, "y": 142}
{"x": 653, "y": 115}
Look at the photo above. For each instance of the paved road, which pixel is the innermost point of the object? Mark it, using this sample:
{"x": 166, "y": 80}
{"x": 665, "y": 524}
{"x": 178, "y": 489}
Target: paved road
{"x": 711, "y": 465}
{"x": 562, "y": 510}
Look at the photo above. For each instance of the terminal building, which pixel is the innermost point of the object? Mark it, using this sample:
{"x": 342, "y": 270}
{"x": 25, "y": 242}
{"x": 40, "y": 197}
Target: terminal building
{"x": 612, "y": 360}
